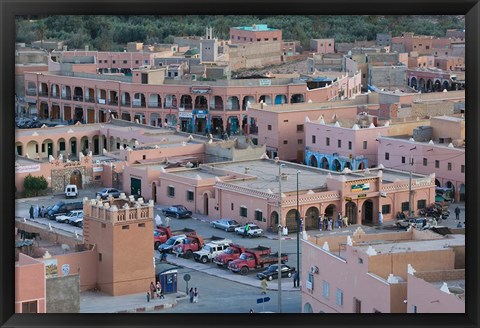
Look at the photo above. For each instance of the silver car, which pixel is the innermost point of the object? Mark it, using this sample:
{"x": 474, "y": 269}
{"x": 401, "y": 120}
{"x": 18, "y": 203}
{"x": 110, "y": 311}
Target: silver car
{"x": 225, "y": 224}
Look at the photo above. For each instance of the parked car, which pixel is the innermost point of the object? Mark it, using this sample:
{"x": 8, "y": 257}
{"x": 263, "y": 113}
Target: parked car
{"x": 254, "y": 231}
{"x": 62, "y": 208}
{"x": 69, "y": 217}
{"x": 71, "y": 190}
{"x": 177, "y": 211}
{"x": 106, "y": 192}
{"x": 78, "y": 220}
{"x": 272, "y": 272}
{"x": 168, "y": 246}
{"x": 415, "y": 222}
{"x": 225, "y": 224}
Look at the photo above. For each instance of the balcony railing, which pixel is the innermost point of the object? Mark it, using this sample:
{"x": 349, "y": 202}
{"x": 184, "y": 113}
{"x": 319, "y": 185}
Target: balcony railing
{"x": 78, "y": 98}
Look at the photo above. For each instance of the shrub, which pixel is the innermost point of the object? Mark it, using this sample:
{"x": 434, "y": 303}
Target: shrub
{"x": 34, "y": 185}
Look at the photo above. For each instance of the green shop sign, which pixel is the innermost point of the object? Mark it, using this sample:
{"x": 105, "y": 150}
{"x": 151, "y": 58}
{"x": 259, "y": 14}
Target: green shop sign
{"x": 360, "y": 187}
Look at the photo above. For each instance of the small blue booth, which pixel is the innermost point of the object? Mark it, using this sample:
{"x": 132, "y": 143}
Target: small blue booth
{"x": 167, "y": 275}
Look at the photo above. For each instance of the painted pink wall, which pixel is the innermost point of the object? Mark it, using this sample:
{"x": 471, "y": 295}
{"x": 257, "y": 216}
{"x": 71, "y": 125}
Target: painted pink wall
{"x": 29, "y": 283}
{"x": 344, "y": 134}
{"x": 82, "y": 263}
{"x": 398, "y": 148}
{"x": 425, "y": 296}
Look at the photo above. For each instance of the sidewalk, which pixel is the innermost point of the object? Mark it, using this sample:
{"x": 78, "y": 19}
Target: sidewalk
{"x": 98, "y": 302}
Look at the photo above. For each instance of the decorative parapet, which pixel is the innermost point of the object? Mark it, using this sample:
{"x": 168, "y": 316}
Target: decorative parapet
{"x": 244, "y": 190}
{"x": 118, "y": 210}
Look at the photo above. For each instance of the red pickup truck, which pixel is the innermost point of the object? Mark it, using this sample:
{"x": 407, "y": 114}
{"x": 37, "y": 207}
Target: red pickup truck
{"x": 254, "y": 260}
{"x": 161, "y": 234}
{"x": 234, "y": 251}
{"x": 192, "y": 244}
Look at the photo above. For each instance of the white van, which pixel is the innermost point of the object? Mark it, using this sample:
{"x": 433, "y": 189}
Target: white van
{"x": 71, "y": 191}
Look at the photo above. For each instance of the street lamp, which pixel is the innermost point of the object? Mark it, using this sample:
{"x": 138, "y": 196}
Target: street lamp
{"x": 280, "y": 237}
{"x": 298, "y": 239}
{"x": 410, "y": 214}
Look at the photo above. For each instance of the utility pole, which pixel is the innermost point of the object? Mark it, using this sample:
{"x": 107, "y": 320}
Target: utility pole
{"x": 280, "y": 237}
{"x": 298, "y": 237}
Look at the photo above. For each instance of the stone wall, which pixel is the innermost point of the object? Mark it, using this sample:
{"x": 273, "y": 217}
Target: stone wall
{"x": 432, "y": 109}
{"x": 431, "y": 276}
{"x": 63, "y": 294}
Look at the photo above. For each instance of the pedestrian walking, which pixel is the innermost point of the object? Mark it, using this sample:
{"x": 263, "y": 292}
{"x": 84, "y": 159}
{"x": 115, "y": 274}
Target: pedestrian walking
{"x": 345, "y": 221}
{"x": 457, "y": 213}
{"x": 152, "y": 290}
{"x": 245, "y": 230}
{"x": 31, "y": 212}
{"x": 264, "y": 285}
{"x": 320, "y": 222}
{"x": 190, "y": 293}
{"x": 195, "y": 295}
{"x": 330, "y": 224}
{"x": 42, "y": 211}
{"x": 380, "y": 218}
{"x": 296, "y": 282}
{"x": 148, "y": 296}
{"x": 36, "y": 211}
{"x": 158, "y": 289}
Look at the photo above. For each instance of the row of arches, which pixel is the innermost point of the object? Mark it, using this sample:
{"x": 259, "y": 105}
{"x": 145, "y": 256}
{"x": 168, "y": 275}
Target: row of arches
{"x": 157, "y": 100}
{"x": 334, "y": 164}
{"x": 429, "y": 85}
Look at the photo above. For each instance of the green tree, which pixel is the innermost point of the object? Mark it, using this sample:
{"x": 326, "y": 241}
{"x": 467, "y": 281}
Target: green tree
{"x": 33, "y": 186}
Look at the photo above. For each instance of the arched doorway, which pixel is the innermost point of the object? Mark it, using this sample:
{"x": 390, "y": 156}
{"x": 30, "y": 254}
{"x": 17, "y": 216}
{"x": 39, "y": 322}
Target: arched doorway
{"x": 437, "y": 183}
{"x": 336, "y": 166}
{"x": 413, "y": 82}
{"x": 291, "y": 220}
{"x": 76, "y": 179}
{"x": 361, "y": 166}
{"x": 311, "y": 218}
{"x": 449, "y": 184}
{"x": 154, "y": 192}
{"x": 330, "y": 210}
{"x": 324, "y": 163}
{"x": 367, "y": 212}
{"x": 351, "y": 212}
{"x": 313, "y": 161}
{"x": 307, "y": 308}
{"x": 274, "y": 220}
{"x": 205, "y": 204}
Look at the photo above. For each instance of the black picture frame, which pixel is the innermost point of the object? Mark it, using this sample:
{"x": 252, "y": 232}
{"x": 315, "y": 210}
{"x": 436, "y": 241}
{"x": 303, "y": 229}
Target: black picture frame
{"x": 11, "y": 8}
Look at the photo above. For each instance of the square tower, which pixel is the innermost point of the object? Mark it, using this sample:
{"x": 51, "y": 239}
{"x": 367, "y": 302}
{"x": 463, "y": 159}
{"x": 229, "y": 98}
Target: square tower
{"x": 121, "y": 231}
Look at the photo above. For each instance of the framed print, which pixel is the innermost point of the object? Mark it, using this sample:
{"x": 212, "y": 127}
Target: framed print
{"x": 325, "y": 138}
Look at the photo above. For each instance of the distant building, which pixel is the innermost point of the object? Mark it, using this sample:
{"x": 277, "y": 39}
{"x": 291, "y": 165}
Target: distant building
{"x": 384, "y": 39}
{"x": 322, "y": 46}
{"x": 255, "y": 33}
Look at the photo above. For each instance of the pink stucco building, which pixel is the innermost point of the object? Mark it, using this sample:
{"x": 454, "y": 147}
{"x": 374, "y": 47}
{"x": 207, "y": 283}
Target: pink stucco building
{"x": 29, "y": 285}
{"x": 254, "y": 33}
{"x": 440, "y": 151}
{"x": 369, "y": 273}
{"x": 249, "y": 191}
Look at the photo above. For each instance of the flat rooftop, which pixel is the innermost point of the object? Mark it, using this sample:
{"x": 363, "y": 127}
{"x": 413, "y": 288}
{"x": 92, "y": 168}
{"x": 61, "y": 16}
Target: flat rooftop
{"x": 408, "y": 246}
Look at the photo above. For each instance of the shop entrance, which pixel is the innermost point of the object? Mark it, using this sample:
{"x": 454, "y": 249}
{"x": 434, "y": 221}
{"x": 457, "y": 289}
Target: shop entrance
{"x": 367, "y": 212}
{"x": 351, "y": 212}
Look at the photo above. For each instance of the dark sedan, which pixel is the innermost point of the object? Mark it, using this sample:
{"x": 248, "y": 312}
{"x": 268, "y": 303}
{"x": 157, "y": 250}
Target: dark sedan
{"x": 225, "y": 224}
{"x": 272, "y": 272}
{"x": 177, "y": 211}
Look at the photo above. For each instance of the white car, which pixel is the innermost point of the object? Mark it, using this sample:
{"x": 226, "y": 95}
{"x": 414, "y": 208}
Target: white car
{"x": 254, "y": 231}
{"x": 211, "y": 250}
{"x": 70, "y": 217}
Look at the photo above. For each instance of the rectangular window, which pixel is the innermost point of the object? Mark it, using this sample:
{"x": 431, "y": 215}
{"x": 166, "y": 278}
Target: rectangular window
{"x": 269, "y": 127}
{"x": 285, "y": 121}
{"x": 425, "y": 162}
{"x": 171, "y": 191}
{"x": 258, "y": 215}
{"x": 405, "y": 206}
{"x": 124, "y": 61}
{"x": 62, "y": 145}
{"x": 30, "y": 307}
{"x": 141, "y": 225}
{"x": 99, "y": 257}
{"x": 365, "y": 145}
{"x": 114, "y": 61}
{"x": 243, "y": 211}
{"x": 231, "y": 206}
{"x": 190, "y": 195}
{"x": 339, "y": 296}
{"x": 449, "y": 166}
{"x": 314, "y": 139}
{"x": 125, "y": 227}
{"x": 422, "y": 203}
{"x": 339, "y": 143}
{"x": 299, "y": 127}
{"x": 387, "y": 156}
{"x": 349, "y": 145}
{"x": 310, "y": 284}
{"x": 136, "y": 62}
{"x": 275, "y": 39}
{"x": 437, "y": 164}
{"x": 300, "y": 141}
{"x": 403, "y": 159}
{"x": 386, "y": 209}
{"x": 104, "y": 225}
{"x": 360, "y": 260}
{"x": 462, "y": 168}
{"x": 285, "y": 142}
{"x": 364, "y": 75}
{"x": 325, "y": 289}
{"x": 327, "y": 141}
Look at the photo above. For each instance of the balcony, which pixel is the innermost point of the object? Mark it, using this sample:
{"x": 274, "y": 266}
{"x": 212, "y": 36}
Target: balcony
{"x": 67, "y": 97}
{"x": 78, "y": 98}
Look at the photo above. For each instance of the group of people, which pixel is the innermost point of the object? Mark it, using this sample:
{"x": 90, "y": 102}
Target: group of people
{"x": 328, "y": 224}
{"x": 155, "y": 290}
{"x": 36, "y": 212}
{"x": 193, "y": 294}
